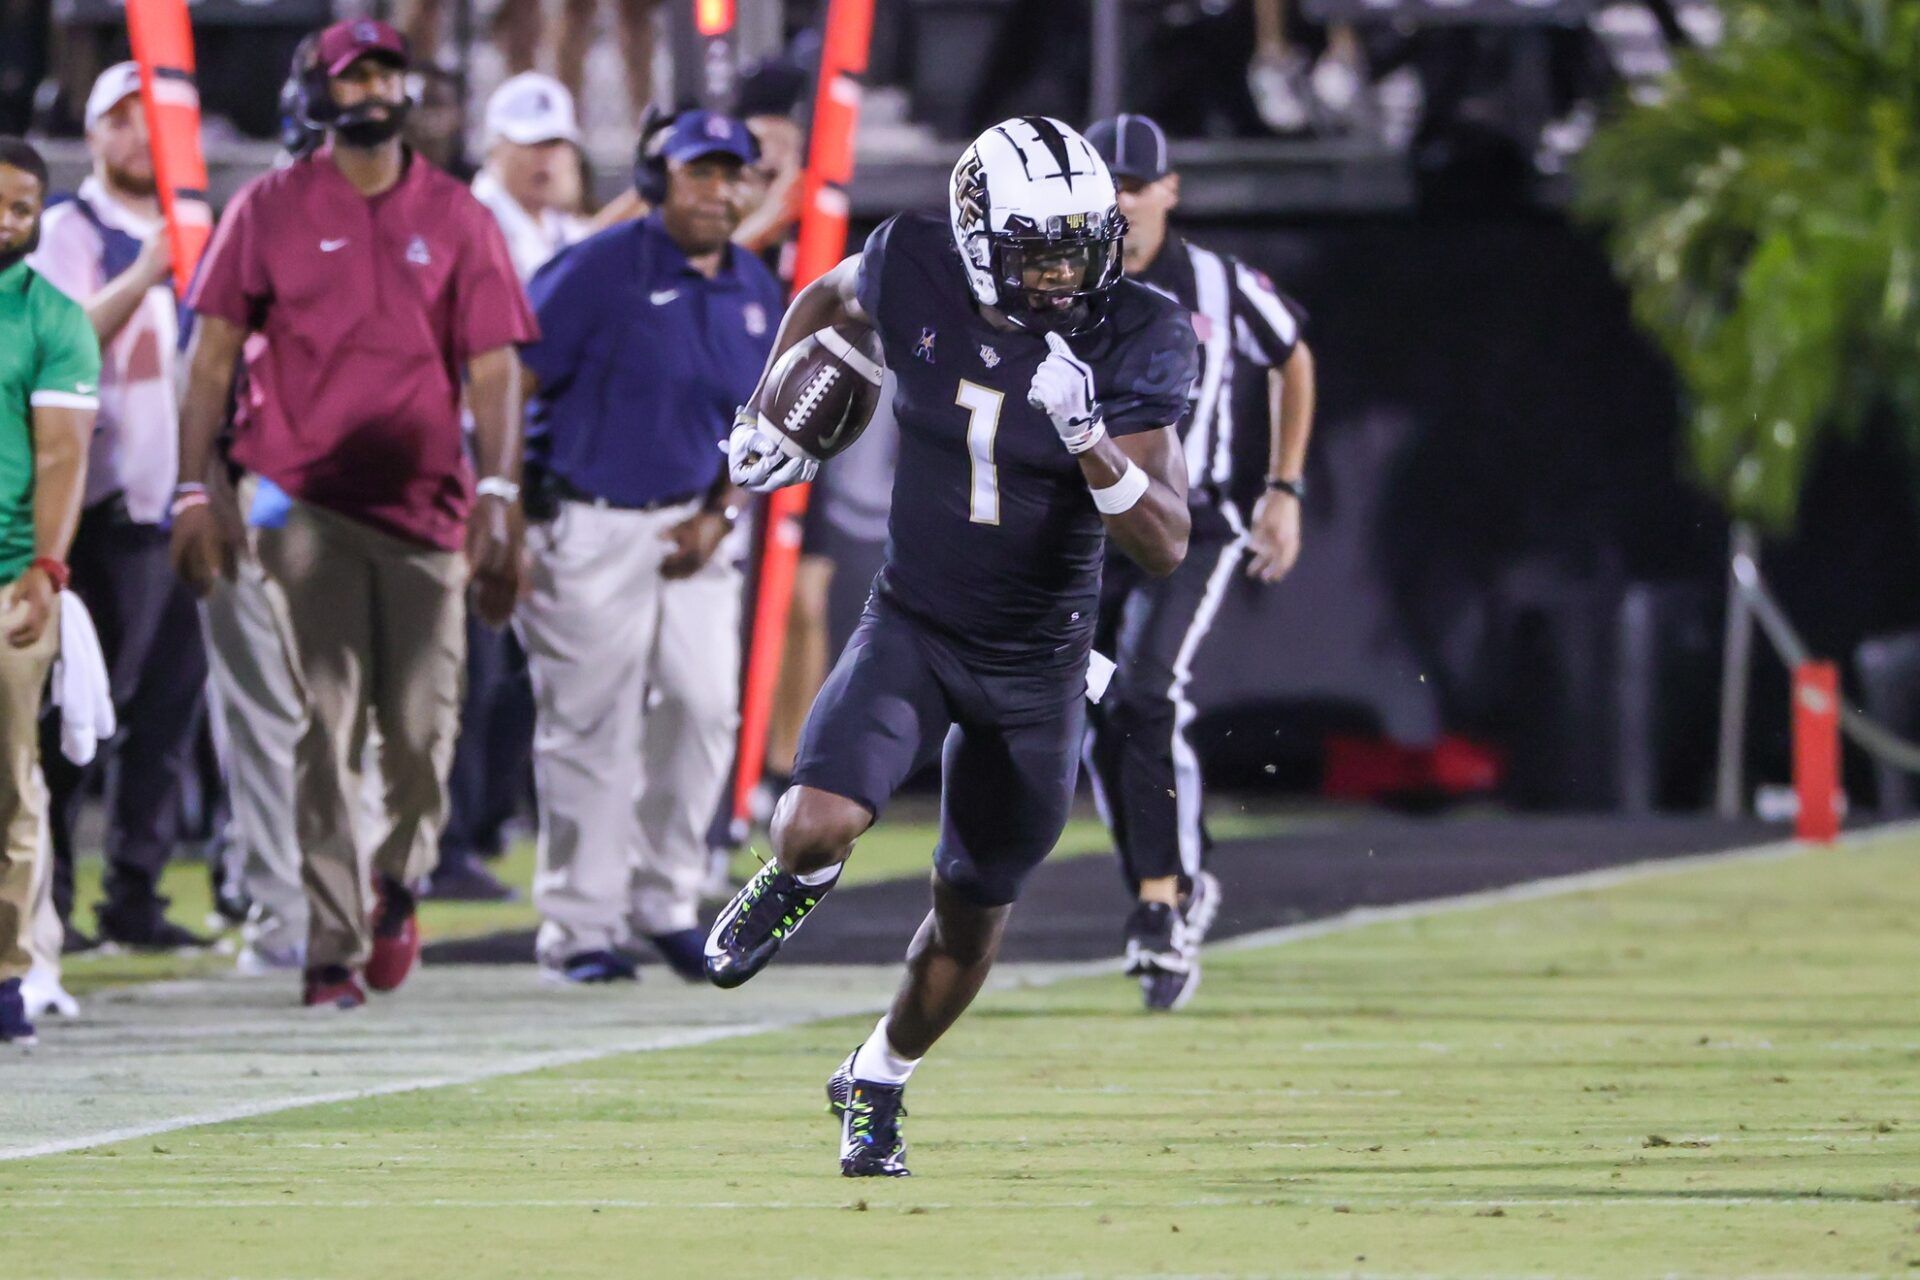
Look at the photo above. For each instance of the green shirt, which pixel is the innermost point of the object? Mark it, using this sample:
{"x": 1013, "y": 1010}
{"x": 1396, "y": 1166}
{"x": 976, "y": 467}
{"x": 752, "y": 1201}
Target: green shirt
{"x": 48, "y": 358}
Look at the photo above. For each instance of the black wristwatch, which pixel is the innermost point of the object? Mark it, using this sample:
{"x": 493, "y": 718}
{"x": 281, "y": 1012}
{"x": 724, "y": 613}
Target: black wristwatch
{"x": 1297, "y": 489}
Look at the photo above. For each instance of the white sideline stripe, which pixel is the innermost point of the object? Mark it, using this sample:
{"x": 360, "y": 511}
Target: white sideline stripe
{"x": 512, "y": 1067}
{"x": 1359, "y": 918}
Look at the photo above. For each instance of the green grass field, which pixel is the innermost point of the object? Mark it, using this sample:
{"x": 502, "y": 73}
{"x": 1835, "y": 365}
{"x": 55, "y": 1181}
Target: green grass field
{"x": 898, "y": 847}
{"x": 1709, "y": 1073}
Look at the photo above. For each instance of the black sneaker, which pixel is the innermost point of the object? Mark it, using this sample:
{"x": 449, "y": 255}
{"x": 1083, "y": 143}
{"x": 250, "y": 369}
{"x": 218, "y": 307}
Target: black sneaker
{"x": 75, "y": 941}
{"x": 767, "y": 911}
{"x": 14, "y": 1027}
{"x": 870, "y": 1114}
{"x": 1162, "y": 953}
{"x": 466, "y": 879}
{"x": 146, "y": 928}
{"x": 681, "y": 950}
{"x": 593, "y": 968}
{"x": 230, "y": 901}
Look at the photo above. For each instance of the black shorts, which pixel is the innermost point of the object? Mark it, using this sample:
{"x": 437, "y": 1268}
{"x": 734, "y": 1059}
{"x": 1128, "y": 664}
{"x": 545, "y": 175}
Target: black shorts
{"x": 1009, "y": 744}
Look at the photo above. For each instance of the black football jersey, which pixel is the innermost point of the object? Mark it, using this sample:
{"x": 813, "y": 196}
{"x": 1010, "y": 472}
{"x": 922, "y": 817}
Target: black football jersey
{"x": 993, "y": 536}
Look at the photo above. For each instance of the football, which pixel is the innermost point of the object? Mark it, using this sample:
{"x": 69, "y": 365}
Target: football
{"x": 824, "y": 390}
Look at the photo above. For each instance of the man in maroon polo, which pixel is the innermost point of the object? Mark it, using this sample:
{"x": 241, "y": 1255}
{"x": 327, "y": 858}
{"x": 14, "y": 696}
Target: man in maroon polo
{"x": 362, "y": 284}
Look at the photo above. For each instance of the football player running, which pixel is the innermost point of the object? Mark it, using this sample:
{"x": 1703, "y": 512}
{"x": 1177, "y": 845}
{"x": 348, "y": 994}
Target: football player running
{"x": 1037, "y": 392}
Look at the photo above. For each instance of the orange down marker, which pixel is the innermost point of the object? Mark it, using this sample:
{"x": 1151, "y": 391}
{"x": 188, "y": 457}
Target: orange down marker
{"x": 823, "y": 242}
{"x": 1816, "y": 750}
{"x": 162, "y": 39}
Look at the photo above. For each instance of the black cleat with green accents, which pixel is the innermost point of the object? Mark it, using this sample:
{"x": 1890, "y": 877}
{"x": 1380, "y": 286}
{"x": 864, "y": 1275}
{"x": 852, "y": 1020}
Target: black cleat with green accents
{"x": 762, "y": 916}
{"x": 870, "y": 1141}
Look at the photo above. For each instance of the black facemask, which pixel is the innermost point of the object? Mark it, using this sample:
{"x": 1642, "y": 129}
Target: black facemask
{"x": 8, "y": 257}
{"x": 359, "y": 127}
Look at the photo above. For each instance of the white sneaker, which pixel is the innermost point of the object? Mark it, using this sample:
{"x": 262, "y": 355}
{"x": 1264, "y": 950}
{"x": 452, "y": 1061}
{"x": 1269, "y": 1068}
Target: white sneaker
{"x": 1202, "y": 907}
{"x": 256, "y": 961}
{"x": 42, "y": 993}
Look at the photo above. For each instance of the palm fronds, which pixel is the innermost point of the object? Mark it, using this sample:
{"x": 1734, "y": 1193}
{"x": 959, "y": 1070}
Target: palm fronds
{"x": 1765, "y": 214}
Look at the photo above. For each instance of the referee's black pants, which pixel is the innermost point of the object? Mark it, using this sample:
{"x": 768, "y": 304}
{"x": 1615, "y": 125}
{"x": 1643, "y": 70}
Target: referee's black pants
{"x": 157, "y": 669}
{"x": 1146, "y": 779}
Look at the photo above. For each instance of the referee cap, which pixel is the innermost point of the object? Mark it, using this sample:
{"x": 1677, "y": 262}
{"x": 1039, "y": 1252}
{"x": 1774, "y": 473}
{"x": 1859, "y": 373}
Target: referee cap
{"x": 1133, "y": 147}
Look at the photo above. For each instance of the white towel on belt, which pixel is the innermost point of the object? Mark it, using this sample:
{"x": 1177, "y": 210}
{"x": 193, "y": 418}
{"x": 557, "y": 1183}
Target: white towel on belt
{"x": 80, "y": 687}
{"x": 1100, "y": 669}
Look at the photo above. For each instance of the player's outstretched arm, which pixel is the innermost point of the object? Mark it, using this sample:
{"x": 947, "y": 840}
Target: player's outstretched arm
{"x": 829, "y": 300}
{"x": 1153, "y": 527}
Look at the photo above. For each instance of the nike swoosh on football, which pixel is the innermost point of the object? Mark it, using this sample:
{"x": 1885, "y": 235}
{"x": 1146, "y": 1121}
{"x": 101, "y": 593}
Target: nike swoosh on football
{"x": 328, "y": 246}
{"x": 661, "y": 297}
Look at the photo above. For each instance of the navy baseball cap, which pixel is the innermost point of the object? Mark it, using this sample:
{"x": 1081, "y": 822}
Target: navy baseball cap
{"x": 704, "y": 133}
{"x": 1133, "y": 147}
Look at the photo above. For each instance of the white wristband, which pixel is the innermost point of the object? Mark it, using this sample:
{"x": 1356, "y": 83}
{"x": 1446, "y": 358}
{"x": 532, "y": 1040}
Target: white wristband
{"x": 1122, "y": 494}
{"x": 497, "y": 487}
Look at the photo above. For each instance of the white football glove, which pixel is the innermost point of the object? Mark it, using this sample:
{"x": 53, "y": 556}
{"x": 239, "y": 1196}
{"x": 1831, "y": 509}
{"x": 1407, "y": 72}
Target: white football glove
{"x": 1063, "y": 390}
{"x": 757, "y": 463}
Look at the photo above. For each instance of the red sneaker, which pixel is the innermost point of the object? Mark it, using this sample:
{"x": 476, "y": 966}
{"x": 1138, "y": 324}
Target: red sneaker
{"x": 396, "y": 937}
{"x": 333, "y": 985}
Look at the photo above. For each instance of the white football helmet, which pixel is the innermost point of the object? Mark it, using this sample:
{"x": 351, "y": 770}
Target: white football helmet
{"x": 1031, "y": 192}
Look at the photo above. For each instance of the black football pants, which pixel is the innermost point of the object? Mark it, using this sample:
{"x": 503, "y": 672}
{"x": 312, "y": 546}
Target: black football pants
{"x": 493, "y": 757}
{"x": 156, "y": 661}
{"x": 1146, "y": 779}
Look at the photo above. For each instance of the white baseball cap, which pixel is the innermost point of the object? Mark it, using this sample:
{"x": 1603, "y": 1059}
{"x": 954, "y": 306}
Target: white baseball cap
{"x": 532, "y": 108}
{"x": 117, "y": 83}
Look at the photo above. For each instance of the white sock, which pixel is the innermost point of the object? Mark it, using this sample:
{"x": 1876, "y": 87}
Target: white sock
{"x": 876, "y": 1061}
{"x": 824, "y": 876}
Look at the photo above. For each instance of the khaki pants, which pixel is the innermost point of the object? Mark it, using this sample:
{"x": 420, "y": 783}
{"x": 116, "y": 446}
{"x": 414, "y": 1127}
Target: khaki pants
{"x": 258, "y": 719}
{"x": 376, "y": 630}
{"x": 23, "y": 796}
{"x": 636, "y": 686}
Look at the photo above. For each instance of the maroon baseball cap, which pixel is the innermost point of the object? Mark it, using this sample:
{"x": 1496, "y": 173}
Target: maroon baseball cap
{"x": 345, "y": 43}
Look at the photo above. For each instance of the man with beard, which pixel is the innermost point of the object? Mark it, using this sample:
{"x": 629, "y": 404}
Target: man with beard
{"x": 49, "y": 374}
{"x": 106, "y": 248}
{"x": 364, "y": 285}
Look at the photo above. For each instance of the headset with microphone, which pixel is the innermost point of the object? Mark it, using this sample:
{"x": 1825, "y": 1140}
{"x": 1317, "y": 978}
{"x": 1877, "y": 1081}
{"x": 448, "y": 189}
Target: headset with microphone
{"x": 650, "y": 158}
{"x": 649, "y": 155}
{"x": 315, "y": 108}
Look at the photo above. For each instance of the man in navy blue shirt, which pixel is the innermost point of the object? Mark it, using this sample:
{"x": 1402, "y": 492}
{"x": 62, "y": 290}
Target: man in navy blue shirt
{"x": 651, "y": 333}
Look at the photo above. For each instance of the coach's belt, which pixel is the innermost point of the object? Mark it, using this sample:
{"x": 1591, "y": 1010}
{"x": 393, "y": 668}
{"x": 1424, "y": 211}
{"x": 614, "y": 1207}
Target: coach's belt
{"x": 574, "y": 493}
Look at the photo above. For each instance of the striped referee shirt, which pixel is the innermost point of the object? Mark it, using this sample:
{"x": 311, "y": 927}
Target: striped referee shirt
{"x": 1238, "y": 315}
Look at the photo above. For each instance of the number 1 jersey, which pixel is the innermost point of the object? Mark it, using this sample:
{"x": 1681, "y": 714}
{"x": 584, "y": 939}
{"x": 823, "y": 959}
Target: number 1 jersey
{"x": 993, "y": 538}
